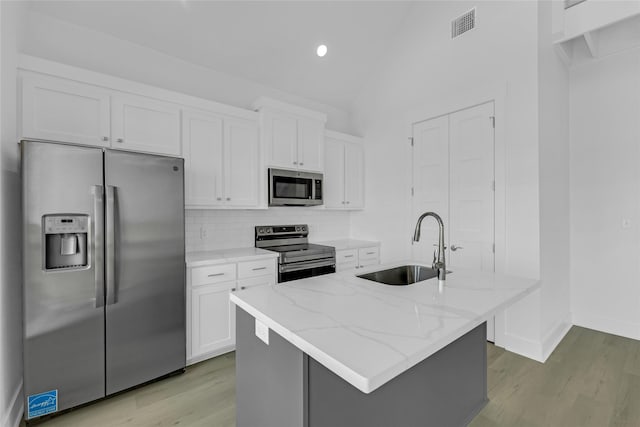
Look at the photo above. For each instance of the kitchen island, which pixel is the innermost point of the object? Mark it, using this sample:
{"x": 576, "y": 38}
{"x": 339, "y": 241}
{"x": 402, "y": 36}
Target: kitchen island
{"x": 338, "y": 350}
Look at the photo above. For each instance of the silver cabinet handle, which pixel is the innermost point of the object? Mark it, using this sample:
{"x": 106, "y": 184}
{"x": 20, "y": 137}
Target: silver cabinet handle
{"x": 242, "y": 288}
{"x": 455, "y": 248}
{"x": 295, "y": 163}
{"x": 228, "y": 199}
{"x": 370, "y": 253}
{"x": 216, "y": 274}
{"x": 348, "y": 202}
{"x": 120, "y": 140}
{"x": 98, "y": 242}
{"x": 301, "y": 164}
{"x": 233, "y": 289}
{"x": 105, "y": 138}
{"x": 259, "y": 268}
{"x": 343, "y": 202}
{"x": 218, "y": 198}
{"x": 348, "y": 256}
{"x": 111, "y": 245}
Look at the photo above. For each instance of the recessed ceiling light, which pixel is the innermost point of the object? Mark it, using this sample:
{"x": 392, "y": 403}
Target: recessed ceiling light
{"x": 322, "y": 50}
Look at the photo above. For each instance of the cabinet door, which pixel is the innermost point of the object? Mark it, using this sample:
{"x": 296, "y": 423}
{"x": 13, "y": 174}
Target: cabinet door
{"x": 63, "y": 110}
{"x": 281, "y": 134}
{"x": 354, "y": 176}
{"x": 241, "y": 165}
{"x": 144, "y": 124}
{"x": 310, "y": 144}
{"x": 202, "y": 137}
{"x": 212, "y": 318}
{"x": 333, "y": 183}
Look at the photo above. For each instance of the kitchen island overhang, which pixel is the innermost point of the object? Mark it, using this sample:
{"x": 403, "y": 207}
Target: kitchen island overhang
{"x": 355, "y": 336}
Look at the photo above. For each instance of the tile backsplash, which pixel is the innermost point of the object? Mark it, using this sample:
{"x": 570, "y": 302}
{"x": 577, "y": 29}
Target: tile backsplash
{"x": 223, "y": 229}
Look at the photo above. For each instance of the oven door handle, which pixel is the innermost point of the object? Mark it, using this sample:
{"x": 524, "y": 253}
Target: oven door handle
{"x": 285, "y": 268}
{"x": 303, "y": 258}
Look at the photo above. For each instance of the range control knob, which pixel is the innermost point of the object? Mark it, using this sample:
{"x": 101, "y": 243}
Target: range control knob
{"x": 297, "y": 228}
{"x": 304, "y": 228}
{"x": 268, "y": 230}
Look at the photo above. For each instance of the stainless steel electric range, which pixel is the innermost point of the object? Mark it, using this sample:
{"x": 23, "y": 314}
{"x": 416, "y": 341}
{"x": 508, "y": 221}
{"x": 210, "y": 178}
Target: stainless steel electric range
{"x": 298, "y": 258}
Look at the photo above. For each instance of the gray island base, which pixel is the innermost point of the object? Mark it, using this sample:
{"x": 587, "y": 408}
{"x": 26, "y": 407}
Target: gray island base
{"x": 278, "y": 385}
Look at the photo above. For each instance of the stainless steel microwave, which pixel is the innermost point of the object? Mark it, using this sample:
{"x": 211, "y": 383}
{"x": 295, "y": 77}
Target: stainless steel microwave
{"x": 294, "y": 188}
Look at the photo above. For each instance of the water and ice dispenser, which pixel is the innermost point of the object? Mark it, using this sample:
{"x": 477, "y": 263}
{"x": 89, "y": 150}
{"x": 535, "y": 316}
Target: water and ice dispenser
{"x": 65, "y": 241}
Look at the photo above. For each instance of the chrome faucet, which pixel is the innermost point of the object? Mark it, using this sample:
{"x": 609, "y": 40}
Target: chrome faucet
{"x": 438, "y": 256}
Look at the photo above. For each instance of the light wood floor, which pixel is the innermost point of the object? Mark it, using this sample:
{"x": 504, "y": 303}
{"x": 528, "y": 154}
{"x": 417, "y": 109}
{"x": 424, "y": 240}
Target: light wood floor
{"x": 591, "y": 379}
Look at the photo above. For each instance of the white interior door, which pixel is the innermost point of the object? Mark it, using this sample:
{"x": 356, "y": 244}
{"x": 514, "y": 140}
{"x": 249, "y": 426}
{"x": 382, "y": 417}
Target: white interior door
{"x": 471, "y": 194}
{"x": 430, "y": 181}
{"x": 453, "y": 175}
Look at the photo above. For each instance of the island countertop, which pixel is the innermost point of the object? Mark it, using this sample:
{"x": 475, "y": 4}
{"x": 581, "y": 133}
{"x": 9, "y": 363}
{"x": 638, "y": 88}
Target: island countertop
{"x": 368, "y": 333}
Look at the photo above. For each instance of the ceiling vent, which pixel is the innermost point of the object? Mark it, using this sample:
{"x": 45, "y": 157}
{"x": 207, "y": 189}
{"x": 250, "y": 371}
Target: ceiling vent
{"x": 463, "y": 23}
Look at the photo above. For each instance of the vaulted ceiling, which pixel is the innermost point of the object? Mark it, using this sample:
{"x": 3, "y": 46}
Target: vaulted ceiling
{"x": 269, "y": 42}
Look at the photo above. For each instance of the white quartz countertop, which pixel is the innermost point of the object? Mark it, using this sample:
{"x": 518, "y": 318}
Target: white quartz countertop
{"x": 224, "y": 256}
{"x": 343, "y": 244}
{"x": 368, "y": 333}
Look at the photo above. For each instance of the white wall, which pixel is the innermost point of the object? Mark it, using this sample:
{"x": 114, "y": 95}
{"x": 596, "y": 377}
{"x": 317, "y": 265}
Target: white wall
{"x": 52, "y": 39}
{"x": 553, "y": 114}
{"x": 605, "y": 192}
{"x": 10, "y": 222}
{"x": 426, "y": 71}
{"x": 220, "y": 229}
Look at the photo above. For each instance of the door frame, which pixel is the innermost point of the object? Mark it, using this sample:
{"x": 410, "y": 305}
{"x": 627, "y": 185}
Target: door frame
{"x": 463, "y": 100}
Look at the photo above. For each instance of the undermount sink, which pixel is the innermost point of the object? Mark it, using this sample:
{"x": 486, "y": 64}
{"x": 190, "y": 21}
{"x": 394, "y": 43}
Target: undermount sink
{"x": 402, "y": 275}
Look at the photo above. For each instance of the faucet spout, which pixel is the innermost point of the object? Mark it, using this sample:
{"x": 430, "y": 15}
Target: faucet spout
{"x": 438, "y": 263}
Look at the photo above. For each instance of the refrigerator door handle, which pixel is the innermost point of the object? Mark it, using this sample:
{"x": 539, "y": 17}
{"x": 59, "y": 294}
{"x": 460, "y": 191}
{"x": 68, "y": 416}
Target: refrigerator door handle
{"x": 111, "y": 245}
{"x": 98, "y": 242}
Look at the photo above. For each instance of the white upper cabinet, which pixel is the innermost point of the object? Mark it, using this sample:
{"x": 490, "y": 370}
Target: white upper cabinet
{"x": 344, "y": 172}
{"x": 62, "y": 110}
{"x": 144, "y": 124}
{"x": 281, "y": 133}
{"x": 310, "y": 144}
{"x": 202, "y": 136}
{"x": 292, "y": 136}
{"x": 222, "y": 157}
{"x": 354, "y": 175}
{"x": 58, "y": 109}
{"x": 241, "y": 163}
{"x": 333, "y": 182}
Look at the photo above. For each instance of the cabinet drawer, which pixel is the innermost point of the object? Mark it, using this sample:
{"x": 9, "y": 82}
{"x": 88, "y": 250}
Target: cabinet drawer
{"x": 368, "y": 253}
{"x": 346, "y": 265}
{"x": 256, "y": 268}
{"x": 349, "y": 255}
{"x": 212, "y": 274}
{"x": 367, "y": 262}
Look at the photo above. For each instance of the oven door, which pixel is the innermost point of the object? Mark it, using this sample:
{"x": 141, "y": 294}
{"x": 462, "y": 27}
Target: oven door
{"x": 304, "y": 269}
{"x": 294, "y": 188}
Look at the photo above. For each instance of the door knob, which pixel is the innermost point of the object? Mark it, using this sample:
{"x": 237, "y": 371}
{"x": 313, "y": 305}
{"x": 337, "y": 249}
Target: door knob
{"x": 455, "y": 248}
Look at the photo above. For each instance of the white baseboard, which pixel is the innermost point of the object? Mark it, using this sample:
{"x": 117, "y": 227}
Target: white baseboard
{"x": 216, "y": 353}
{"x": 608, "y": 325}
{"x": 526, "y": 347}
{"x": 537, "y": 350}
{"x": 553, "y": 338}
{"x": 14, "y": 412}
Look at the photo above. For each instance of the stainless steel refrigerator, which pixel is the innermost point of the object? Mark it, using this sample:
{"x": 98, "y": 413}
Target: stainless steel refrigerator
{"x": 104, "y": 272}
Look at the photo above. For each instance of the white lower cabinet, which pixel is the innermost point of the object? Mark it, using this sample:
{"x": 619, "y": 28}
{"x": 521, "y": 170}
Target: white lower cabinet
{"x": 212, "y": 318}
{"x": 357, "y": 258}
{"x": 210, "y": 314}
